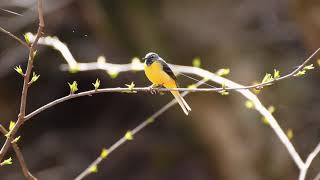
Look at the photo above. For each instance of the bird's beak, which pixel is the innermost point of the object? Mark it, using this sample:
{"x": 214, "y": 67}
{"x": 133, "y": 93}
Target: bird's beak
{"x": 143, "y": 58}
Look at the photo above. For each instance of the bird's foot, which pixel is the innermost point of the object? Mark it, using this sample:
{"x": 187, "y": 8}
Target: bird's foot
{"x": 154, "y": 89}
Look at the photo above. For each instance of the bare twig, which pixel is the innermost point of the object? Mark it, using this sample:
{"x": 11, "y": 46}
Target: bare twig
{"x": 25, "y": 87}
{"x": 101, "y": 64}
{"x": 229, "y": 85}
{"x": 14, "y": 37}
{"x": 19, "y": 155}
{"x": 117, "y": 68}
{"x": 107, "y": 90}
{"x": 312, "y": 155}
{"x": 136, "y": 130}
{"x": 54, "y": 42}
{"x": 317, "y": 177}
{"x": 11, "y": 12}
{"x": 73, "y": 64}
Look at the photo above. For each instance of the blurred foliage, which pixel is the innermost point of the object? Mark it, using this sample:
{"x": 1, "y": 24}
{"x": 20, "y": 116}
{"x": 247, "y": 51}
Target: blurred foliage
{"x": 223, "y": 140}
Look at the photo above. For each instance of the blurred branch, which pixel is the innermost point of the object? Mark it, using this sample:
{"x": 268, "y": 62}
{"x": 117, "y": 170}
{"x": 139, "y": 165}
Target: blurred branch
{"x": 101, "y": 64}
{"x": 149, "y": 120}
{"x": 14, "y": 37}
{"x": 26, "y": 84}
{"x": 136, "y": 66}
{"x": 317, "y": 177}
{"x": 19, "y": 155}
{"x": 108, "y": 90}
{"x": 11, "y": 12}
{"x": 312, "y": 155}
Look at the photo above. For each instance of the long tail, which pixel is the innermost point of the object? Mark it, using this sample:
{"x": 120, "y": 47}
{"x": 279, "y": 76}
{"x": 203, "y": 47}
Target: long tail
{"x": 185, "y": 107}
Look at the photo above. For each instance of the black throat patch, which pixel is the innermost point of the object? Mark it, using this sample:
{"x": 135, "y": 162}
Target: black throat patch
{"x": 149, "y": 61}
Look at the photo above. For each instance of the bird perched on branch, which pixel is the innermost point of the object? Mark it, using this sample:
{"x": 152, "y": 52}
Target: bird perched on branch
{"x": 160, "y": 74}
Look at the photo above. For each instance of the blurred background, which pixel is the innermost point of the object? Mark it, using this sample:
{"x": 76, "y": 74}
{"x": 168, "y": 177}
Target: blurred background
{"x": 220, "y": 139}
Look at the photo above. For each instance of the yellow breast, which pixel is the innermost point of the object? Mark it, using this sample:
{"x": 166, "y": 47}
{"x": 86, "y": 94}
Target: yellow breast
{"x": 157, "y": 76}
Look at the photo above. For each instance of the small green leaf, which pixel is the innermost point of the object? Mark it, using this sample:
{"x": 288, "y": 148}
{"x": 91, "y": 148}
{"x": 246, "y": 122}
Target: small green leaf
{"x": 136, "y": 64}
{"x": 11, "y": 125}
{"x": 150, "y": 120}
{"x": 19, "y": 70}
{"x": 271, "y": 109}
{"x": 276, "y": 74}
{"x": 309, "y": 67}
{"x": 35, "y": 77}
{"x": 130, "y": 86}
{"x": 192, "y": 86}
{"x": 128, "y": 136}
{"x": 249, "y": 104}
{"x": 267, "y": 78}
{"x": 300, "y": 73}
{"x": 93, "y": 169}
{"x": 256, "y": 90}
{"x": 104, "y": 153}
{"x": 101, "y": 60}
{"x": 223, "y": 85}
{"x": 6, "y": 162}
{"x": 196, "y": 62}
{"x": 224, "y": 93}
{"x": 96, "y": 84}
{"x": 290, "y": 134}
{"x": 27, "y": 37}
{"x": 16, "y": 139}
{"x": 74, "y": 69}
{"x": 265, "y": 121}
{"x": 223, "y": 72}
{"x": 113, "y": 74}
{"x": 304, "y": 70}
{"x": 73, "y": 87}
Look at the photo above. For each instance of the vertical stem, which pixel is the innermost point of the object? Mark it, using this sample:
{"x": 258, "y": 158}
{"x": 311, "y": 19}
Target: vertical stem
{"x": 25, "y": 87}
{"x": 19, "y": 155}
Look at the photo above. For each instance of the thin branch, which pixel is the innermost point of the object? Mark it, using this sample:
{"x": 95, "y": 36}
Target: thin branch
{"x": 317, "y": 177}
{"x": 107, "y": 90}
{"x": 15, "y": 37}
{"x": 57, "y": 44}
{"x": 25, "y": 87}
{"x": 19, "y": 155}
{"x": 116, "y": 68}
{"x": 101, "y": 63}
{"x": 135, "y": 131}
{"x": 11, "y": 12}
{"x": 308, "y": 162}
{"x": 230, "y": 85}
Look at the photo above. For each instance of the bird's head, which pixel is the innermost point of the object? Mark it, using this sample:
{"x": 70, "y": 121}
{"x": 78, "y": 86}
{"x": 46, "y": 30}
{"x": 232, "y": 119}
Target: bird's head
{"x": 150, "y": 58}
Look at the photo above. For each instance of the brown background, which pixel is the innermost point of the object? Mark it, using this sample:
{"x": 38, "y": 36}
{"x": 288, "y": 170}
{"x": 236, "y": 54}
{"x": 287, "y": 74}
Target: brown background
{"x": 221, "y": 139}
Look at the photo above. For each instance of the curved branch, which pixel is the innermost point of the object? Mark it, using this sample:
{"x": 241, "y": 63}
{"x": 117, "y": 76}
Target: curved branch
{"x": 308, "y": 162}
{"x": 101, "y": 63}
{"x": 25, "y": 87}
{"x": 136, "y": 130}
{"x": 19, "y": 155}
{"x": 229, "y": 85}
{"x": 14, "y": 37}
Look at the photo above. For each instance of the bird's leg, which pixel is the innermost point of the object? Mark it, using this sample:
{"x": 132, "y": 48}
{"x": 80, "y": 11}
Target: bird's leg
{"x": 153, "y": 88}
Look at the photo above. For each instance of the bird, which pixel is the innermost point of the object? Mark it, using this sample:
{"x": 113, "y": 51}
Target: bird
{"x": 160, "y": 74}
